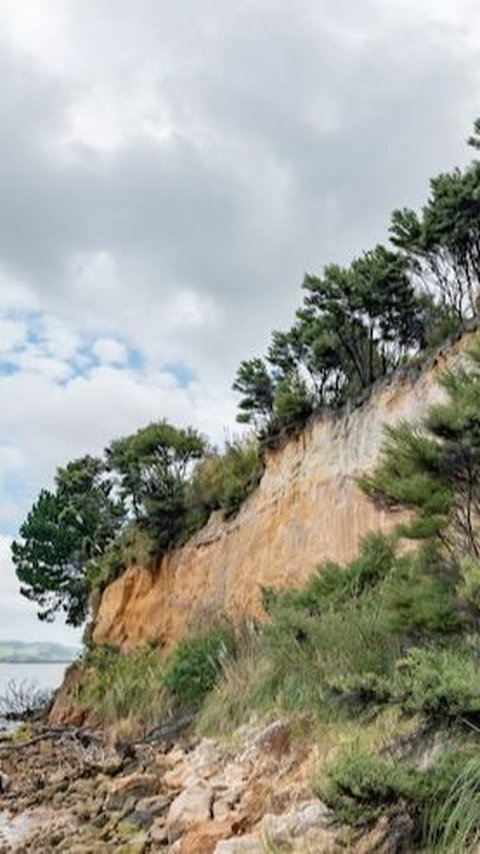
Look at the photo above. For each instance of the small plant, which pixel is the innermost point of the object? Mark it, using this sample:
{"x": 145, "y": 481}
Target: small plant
{"x": 23, "y": 700}
{"x": 122, "y": 687}
{"x": 362, "y": 786}
{"x": 453, "y": 824}
{"x": 440, "y": 682}
{"x": 195, "y": 665}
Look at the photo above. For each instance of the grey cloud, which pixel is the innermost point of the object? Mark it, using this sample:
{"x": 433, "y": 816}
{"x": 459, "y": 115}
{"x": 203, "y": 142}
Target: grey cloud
{"x": 295, "y": 131}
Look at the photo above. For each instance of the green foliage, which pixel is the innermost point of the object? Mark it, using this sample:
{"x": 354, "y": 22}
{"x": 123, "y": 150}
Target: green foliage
{"x": 443, "y": 242}
{"x": 119, "y": 687}
{"x": 358, "y": 323}
{"x": 224, "y": 481}
{"x": 420, "y": 597}
{"x": 434, "y": 470}
{"x": 152, "y": 466}
{"x": 64, "y": 531}
{"x": 452, "y": 823}
{"x": 333, "y": 585}
{"x": 442, "y": 682}
{"x": 362, "y": 786}
{"x": 194, "y": 667}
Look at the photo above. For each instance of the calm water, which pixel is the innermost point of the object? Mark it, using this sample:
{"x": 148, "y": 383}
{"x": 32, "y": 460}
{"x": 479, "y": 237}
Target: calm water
{"x": 45, "y": 676}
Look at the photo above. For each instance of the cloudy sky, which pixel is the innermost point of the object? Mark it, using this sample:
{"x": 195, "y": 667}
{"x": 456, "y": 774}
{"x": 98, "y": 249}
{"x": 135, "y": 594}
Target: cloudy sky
{"x": 168, "y": 171}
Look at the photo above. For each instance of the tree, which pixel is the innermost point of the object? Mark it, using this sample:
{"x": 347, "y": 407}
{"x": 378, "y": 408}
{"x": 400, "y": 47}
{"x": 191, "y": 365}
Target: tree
{"x": 64, "y": 530}
{"x": 443, "y": 242}
{"x": 254, "y": 382}
{"x": 433, "y": 469}
{"x": 152, "y": 467}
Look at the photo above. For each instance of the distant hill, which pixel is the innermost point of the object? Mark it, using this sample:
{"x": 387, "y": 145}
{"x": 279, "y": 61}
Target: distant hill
{"x": 20, "y": 651}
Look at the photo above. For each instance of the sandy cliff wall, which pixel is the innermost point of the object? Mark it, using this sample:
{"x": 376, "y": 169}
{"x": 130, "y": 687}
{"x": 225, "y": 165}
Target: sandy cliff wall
{"x": 307, "y": 508}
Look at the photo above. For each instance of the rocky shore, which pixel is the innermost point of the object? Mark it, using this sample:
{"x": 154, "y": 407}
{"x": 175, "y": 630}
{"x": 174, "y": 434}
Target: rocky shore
{"x": 70, "y": 790}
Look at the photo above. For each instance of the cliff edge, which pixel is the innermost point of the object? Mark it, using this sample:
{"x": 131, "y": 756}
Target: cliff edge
{"x": 308, "y": 508}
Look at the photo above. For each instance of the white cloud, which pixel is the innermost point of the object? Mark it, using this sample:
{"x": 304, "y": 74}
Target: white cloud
{"x": 168, "y": 178}
{"x": 110, "y": 352}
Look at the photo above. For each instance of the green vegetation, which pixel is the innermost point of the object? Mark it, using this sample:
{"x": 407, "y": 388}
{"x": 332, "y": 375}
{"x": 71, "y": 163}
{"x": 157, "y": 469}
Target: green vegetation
{"x": 150, "y": 493}
{"x": 393, "y": 636}
{"x": 64, "y": 531}
{"x": 194, "y": 667}
{"x": 358, "y": 323}
{"x": 124, "y": 687}
{"x": 362, "y": 786}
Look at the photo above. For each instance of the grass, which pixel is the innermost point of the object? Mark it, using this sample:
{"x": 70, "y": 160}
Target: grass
{"x": 453, "y": 825}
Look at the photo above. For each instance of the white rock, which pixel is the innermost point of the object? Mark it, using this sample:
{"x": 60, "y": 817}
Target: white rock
{"x": 192, "y": 805}
{"x": 250, "y": 844}
{"x": 282, "y": 829}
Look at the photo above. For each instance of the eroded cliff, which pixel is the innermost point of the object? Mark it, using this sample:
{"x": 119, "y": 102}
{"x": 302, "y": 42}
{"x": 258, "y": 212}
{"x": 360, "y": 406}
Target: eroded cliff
{"x": 307, "y": 508}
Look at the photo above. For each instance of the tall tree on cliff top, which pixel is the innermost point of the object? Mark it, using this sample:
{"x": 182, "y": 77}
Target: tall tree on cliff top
{"x": 64, "y": 530}
{"x": 443, "y": 241}
{"x": 356, "y": 324}
{"x": 152, "y": 467}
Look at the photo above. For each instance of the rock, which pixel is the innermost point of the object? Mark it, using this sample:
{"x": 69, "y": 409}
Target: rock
{"x": 250, "y": 844}
{"x": 390, "y": 835}
{"x": 158, "y": 832}
{"x": 132, "y": 788}
{"x": 5, "y": 784}
{"x": 156, "y": 805}
{"x": 283, "y": 829}
{"x": 140, "y": 819}
{"x": 203, "y": 838}
{"x": 274, "y": 739}
{"x": 194, "y": 804}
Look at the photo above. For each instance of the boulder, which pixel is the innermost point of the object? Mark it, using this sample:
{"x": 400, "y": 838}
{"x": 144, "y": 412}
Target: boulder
{"x": 193, "y": 805}
{"x": 297, "y": 822}
{"x": 249, "y": 844}
{"x": 130, "y": 789}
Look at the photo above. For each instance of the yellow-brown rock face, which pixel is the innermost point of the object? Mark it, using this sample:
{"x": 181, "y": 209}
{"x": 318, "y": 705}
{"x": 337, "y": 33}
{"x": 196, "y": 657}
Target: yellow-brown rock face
{"x": 306, "y": 509}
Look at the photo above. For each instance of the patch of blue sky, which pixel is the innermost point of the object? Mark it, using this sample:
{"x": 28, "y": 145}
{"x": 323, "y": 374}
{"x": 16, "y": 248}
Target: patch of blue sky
{"x": 8, "y": 368}
{"x": 14, "y": 500}
{"x": 182, "y": 373}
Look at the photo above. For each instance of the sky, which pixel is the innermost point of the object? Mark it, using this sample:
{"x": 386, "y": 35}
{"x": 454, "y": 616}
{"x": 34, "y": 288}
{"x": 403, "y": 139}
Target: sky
{"x": 169, "y": 170}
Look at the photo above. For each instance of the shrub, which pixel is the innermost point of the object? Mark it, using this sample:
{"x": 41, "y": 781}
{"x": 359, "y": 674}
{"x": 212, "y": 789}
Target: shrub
{"x": 122, "y": 687}
{"x": 439, "y": 682}
{"x": 361, "y": 786}
{"x": 420, "y": 597}
{"x": 333, "y": 584}
{"x": 194, "y": 667}
{"x": 224, "y": 481}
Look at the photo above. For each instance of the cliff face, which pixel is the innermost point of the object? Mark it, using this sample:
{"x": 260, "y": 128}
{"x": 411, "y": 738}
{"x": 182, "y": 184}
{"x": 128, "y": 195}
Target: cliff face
{"x": 307, "y": 508}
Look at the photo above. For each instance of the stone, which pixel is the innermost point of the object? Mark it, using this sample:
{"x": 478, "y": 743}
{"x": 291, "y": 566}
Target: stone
{"x": 274, "y": 739}
{"x": 194, "y": 804}
{"x": 130, "y": 789}
{"x": 283, "y": 829}
{"x": 156, "y": 805}
{"x": 203, "y": 838}
{"x": 249, "y": 844}
{"x": 390, "y": 835}
{"x": 158, "y": 832}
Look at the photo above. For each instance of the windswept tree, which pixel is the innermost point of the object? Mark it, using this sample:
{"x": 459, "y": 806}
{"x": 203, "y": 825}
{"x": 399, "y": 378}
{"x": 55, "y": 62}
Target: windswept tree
{"x": 433, "y": 468}
{"x": 443, "y": 241}
{"x": 151, "y": 467}
{"x": 65, "y": 529}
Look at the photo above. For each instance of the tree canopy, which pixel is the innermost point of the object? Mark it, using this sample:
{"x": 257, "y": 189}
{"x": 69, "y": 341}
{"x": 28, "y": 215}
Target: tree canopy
{"x": 359, "y": 322}
{"x": 64, "y": 530}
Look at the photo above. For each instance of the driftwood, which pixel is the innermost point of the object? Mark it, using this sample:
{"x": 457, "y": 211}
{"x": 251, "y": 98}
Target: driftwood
{"x": 84, "y": 736}
{"x": 166, "y": 731}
